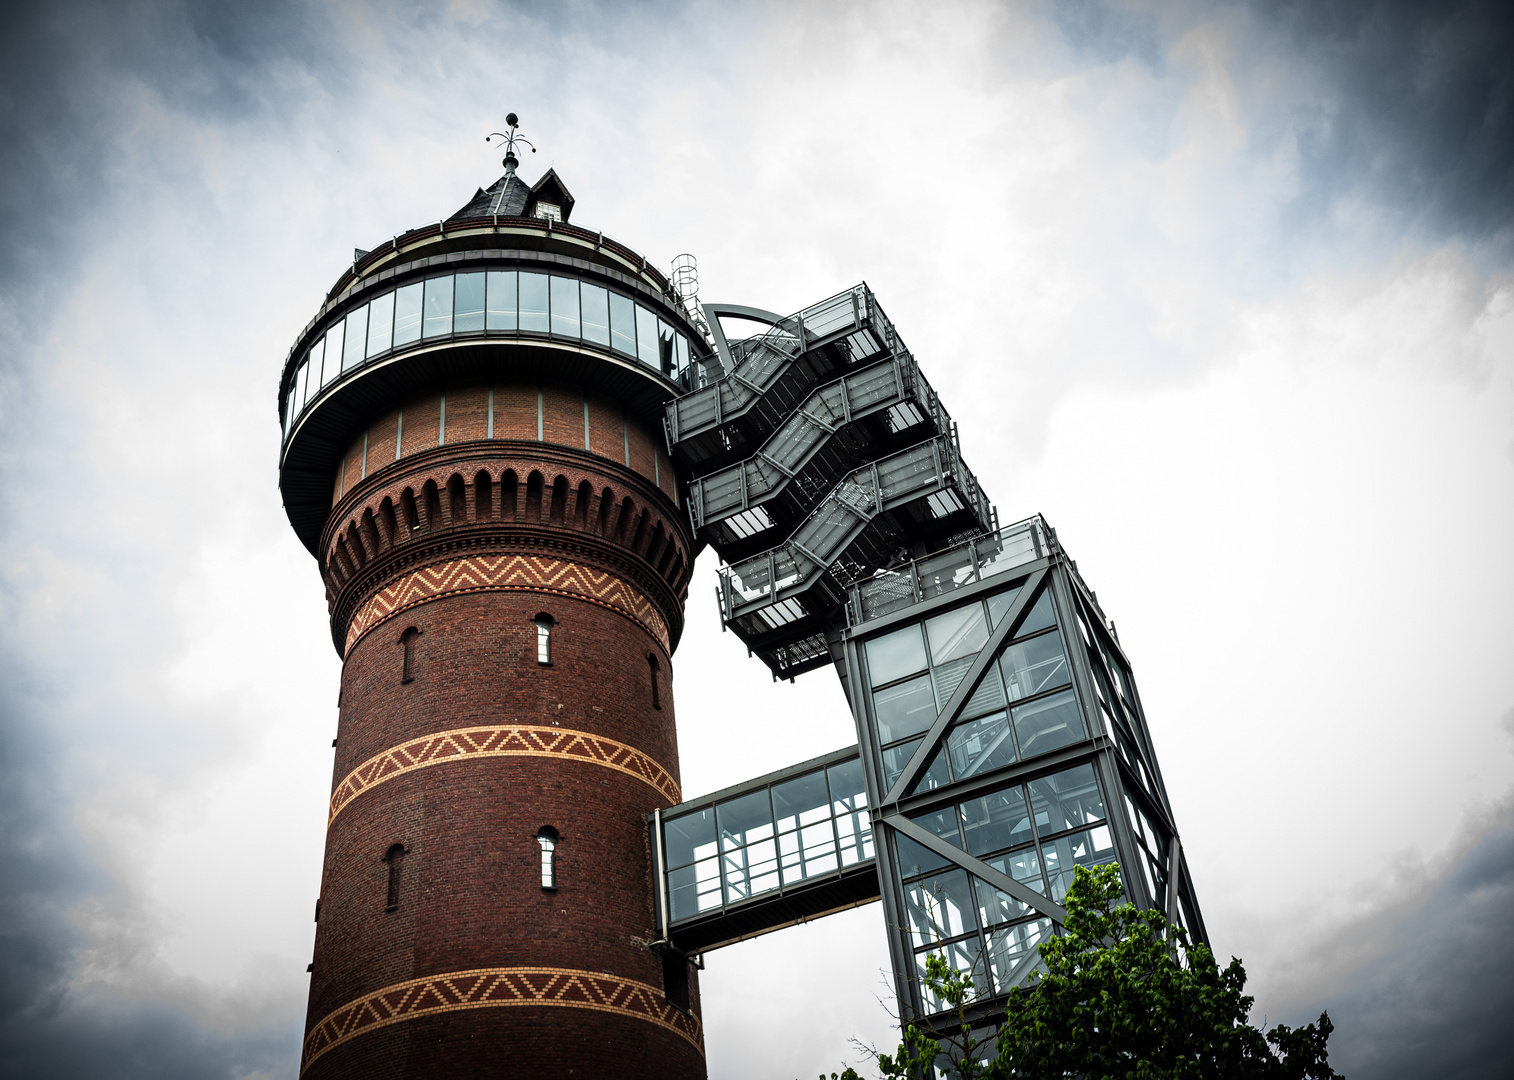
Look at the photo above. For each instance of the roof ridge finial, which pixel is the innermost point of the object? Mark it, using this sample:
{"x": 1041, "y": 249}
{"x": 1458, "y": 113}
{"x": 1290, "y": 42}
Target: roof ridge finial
{"x": 513, "y": 123}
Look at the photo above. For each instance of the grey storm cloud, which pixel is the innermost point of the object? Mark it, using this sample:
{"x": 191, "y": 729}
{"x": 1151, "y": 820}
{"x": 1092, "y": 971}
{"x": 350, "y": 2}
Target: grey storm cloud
{"x": 1415, "y": 107}
{"x": 1409, "y": 105}
{"x": 1429, "y": 992}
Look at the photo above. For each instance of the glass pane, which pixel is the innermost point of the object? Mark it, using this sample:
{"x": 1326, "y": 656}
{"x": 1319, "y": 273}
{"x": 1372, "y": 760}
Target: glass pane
{"x": 854, "y": 835}
{"x": 750, "y": 870}
{"x": 646, "y": 337}
{"x": 894, "y": 760}
{"x": 317, "y": 351}
{"x": 665, "y": 361}
{"x": 689, "y": 837}
{"x": 1033, "y": 666}
{"x": 407, "y": 314}
{"x": 693, "y": 889}
{"x": 980, "y": 745}
{"x": 1041, "y": 615}
{"x": 1024, "y": 866}
{"x": 942, "y": 823}
{"x": 500, "y": 310}
{"x": 1014, "y": 954}
{"x": 468, "y": 302}
{"x": 904, "y": 709}
{"x": 935, "y": 774}
{"x": 957, "y": 634}
{"x": 381, "y": 324}
{"x": 808, "y": 852}
{"x": 895, "y": 655}
{"x": 596, "y": 313}
{"x": 683, "y": 352}
{"x": 297, "y": 389}
{"x": 917, "y": 858}
{"x": 744, "y": 819}
{"x": 848, "y": 790}
{"x": 1063, "y": 855}
{"x": 965, "y": 956}
{"x": 988, "y": 696}
{"x": 438, "y": 306}
{"x": 996, "y": 821}
{"x": 622, "y": 324}
{"x": 939, "y": 906}
{"x": 334, "y": 351}
{"x": 803, "y": 800}
{"x": 357, "y": 338}
{"x": 533, "y": 303}
{"x": 565, "y": 306}
{"x": 999, "y": 603}
{"x": 1047, "y": 724}
{"x": 1066, "y": 800}
{"x": 996, "y": 906}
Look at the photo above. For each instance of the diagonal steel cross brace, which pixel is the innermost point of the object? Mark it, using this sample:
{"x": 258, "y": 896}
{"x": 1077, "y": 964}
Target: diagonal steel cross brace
{"x": 973, "y": 865}
{"x": 967, "y": 687}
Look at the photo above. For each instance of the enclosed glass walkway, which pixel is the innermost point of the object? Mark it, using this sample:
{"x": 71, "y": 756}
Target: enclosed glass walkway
{"x": 780, "y": 849}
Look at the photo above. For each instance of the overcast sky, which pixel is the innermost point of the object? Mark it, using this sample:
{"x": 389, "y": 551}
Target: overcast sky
{"x": 1224, "y": 290}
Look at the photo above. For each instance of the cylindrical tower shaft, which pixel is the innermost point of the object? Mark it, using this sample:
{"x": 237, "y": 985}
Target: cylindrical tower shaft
{"x": 506, "y": 560}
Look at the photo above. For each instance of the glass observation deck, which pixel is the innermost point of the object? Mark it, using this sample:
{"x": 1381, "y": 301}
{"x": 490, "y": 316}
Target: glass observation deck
{"x": 780, "y": 849}
{"x": 748, "y": 506}
{"x": 730, "y": 412}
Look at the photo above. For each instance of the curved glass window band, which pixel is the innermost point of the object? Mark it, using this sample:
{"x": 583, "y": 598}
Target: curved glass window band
{"x": 495, "y": 301}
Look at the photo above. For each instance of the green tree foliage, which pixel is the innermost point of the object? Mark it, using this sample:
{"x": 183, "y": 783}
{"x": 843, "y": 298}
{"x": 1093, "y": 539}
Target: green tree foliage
{"x": 1124, "y": 995}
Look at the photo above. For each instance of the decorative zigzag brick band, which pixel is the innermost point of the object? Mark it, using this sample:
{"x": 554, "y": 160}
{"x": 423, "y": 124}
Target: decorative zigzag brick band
{"x": 503, "y": 740}
{"x": 508, "y": 573}
{"x": 488, "y": 988}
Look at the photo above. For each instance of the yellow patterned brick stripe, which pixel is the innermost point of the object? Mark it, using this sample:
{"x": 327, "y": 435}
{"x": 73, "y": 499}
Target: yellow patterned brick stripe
{"x": 488, "y": 988}
{"x": 502, "y": 740}
{"x": 506, "y": 573}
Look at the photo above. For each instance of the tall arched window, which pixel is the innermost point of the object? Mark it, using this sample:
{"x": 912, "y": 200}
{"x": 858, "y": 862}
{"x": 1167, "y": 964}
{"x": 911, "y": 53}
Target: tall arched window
{"x": 547, "y": 837}
{"x": 395, "y": 857}
{"x": 544, "y": 624}
{"x": 656, "y": 668}
{"x": 407, "y": 645}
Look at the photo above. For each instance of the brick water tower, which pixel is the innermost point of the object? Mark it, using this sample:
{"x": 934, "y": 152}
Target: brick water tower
{"x": 472, "y": 450}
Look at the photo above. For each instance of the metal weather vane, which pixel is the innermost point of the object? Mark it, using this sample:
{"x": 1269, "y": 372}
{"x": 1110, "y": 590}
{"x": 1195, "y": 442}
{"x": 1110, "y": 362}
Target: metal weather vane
{"x": 510, "y": 161}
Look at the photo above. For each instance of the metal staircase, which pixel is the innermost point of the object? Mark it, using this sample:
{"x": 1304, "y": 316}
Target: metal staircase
{"x": 751, "y": 505}
{"x": 820, "y": 456}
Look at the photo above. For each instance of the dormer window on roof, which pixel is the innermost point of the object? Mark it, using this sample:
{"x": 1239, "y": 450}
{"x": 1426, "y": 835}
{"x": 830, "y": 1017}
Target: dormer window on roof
{"x": 549, "y": 210}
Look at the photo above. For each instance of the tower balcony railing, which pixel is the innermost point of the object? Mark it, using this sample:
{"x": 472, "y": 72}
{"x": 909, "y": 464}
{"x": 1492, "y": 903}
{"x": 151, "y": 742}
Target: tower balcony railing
{"x": 770, "y": 375}
{"x": 827, "y": 435}
{"x": 893, "y": 589}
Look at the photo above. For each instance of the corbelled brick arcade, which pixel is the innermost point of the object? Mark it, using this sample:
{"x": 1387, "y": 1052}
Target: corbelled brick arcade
{"x": 506, "y": 437}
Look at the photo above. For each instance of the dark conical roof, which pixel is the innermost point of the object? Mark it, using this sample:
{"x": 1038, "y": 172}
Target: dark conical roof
{"x": 506, "y": 197}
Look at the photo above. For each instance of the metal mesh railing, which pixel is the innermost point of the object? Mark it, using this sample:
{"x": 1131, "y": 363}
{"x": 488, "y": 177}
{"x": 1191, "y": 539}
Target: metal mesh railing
{"x": 758, "y": 361}
{"x": 963, "y": 564}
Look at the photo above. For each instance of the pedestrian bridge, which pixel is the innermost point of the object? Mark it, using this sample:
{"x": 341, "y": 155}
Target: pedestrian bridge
{"x": 770, "y": 852}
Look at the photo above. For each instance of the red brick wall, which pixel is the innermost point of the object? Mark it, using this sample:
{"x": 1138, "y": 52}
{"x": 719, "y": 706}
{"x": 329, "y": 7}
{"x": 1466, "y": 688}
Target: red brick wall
{"x": 467, "y": 413}
{"x": 470, "y": 891}
{"x": 422, "y": 423}
{"x": 515, "y": 414}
